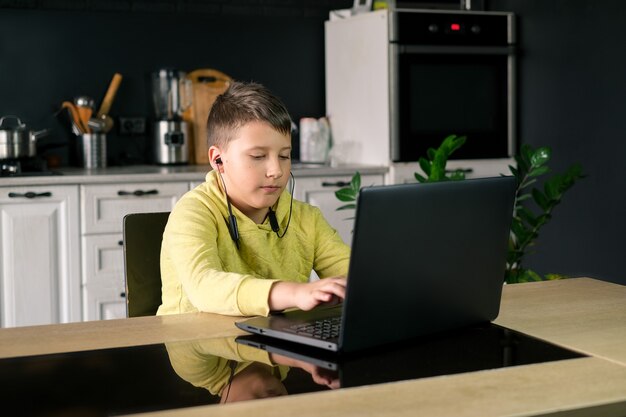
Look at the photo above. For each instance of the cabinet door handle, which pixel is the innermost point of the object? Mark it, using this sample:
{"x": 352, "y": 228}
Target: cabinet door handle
{"x": 138, "y": 193}
{"x": 464, "y": 170}
{"x": 122, "y": 295}
{"x": 30, "y": 194}
{"x": 120, "y": 242}
{"x": 336, "y": 184}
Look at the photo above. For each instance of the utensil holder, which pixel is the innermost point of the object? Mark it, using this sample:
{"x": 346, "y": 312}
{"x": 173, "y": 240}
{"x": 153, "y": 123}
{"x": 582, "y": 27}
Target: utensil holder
{"x": 92, "y": 150}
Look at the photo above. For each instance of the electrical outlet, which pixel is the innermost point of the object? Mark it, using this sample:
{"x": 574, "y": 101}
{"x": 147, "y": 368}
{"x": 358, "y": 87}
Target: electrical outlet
{"x": 132, "y": 126}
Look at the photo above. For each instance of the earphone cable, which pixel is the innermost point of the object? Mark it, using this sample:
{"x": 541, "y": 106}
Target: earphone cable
{"x": 232, "y": 365}
{"x": 232, "y": 220}
{"x": 293, "y": 186}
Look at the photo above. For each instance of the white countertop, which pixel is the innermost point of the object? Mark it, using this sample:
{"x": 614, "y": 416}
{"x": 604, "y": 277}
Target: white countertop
{"x": 156, "y": 173}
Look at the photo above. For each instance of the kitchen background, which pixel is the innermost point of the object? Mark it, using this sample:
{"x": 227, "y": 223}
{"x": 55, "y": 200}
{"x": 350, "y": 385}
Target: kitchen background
{"x": 571, "y": 85}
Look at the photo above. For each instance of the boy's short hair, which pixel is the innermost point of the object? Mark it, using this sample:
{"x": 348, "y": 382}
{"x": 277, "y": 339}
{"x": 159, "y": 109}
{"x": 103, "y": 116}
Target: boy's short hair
{"x": 243, "y": 103}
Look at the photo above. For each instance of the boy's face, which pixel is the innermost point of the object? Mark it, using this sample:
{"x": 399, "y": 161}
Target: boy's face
{"x": 255, "y": 167}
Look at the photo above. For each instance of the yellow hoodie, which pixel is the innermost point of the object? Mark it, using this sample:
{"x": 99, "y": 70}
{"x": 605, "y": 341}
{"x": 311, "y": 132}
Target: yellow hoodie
{"x": 202, "y": 269}
{"x": 205, "y": 363}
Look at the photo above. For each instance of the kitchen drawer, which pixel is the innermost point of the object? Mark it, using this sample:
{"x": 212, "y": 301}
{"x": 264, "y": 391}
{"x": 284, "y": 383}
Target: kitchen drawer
{"x": 103, "y": 259}
{"x": 105, "y": 205}
{"x": 102, "y": 302}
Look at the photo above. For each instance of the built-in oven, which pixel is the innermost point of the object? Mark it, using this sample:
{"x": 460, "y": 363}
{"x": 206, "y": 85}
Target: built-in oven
{"x": 452, "y": 73}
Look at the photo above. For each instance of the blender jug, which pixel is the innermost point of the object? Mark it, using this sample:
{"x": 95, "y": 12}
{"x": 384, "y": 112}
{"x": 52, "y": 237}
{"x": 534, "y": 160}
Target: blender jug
{"x": 171, "y": 93}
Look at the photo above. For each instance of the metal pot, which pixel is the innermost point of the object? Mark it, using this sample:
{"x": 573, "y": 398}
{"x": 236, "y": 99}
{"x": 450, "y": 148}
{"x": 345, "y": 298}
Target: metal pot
{"x": 17, "y": 141}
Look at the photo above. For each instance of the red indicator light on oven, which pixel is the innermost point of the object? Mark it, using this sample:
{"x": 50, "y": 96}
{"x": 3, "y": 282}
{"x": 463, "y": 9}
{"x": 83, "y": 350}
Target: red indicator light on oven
{"x": 455, "y": 26}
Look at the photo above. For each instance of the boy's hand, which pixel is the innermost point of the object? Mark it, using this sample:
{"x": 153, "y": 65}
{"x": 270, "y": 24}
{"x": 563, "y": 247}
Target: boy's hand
{"x": 320, "y": 375}
{"x": 306, "y": 296}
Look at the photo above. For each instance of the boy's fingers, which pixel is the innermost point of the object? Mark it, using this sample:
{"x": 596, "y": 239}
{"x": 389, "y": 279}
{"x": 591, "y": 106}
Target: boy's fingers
{"x": 334, "y": 289}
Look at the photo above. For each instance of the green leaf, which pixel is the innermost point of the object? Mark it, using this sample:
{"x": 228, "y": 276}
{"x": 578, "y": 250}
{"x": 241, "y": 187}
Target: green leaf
{"x": 552, "y": 277}
{"x": 425, "y": 165}
{"x": 345, "y": 194}
{"x": 356, "y": 183}
{"x": 527, "y": 216}
{"x": 438, "y": 167}
{"x": 452, "y": 143}
{"x": 517, "y": 227}
{"x": 529, "y": 276}
{"x": 551, "y": 190}
{"x": 419, "y": 178}
{"x": 541, "y": 156}
{"x": 346, "y": 207}
{"x": 540, "y": 199}
{"x": 535, "y": 172}
{"x": 522, "y": 166}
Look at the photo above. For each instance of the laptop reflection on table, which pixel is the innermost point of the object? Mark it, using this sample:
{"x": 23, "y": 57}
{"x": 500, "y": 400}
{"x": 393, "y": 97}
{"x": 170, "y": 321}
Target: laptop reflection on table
{"x": 467, "y": 349}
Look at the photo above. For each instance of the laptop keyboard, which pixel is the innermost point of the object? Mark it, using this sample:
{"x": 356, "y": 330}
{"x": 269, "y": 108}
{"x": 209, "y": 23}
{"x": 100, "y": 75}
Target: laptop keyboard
{"x": 323, "y": 329}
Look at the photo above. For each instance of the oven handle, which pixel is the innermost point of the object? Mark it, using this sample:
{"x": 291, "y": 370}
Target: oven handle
{"x": 456, "y": 50}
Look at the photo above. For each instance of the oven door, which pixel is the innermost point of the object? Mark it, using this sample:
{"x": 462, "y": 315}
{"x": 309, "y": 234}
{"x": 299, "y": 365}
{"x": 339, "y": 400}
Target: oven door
{"x": 437, "y": 91}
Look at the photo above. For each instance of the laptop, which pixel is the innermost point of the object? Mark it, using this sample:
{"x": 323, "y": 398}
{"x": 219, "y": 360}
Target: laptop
{"x": 425, "y": 258}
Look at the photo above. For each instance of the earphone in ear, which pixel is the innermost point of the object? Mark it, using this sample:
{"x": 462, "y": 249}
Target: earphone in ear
{"x": 218, "y": 161}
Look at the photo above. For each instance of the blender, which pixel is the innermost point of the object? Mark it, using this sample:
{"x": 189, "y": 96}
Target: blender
{"x": 171, "y": 94}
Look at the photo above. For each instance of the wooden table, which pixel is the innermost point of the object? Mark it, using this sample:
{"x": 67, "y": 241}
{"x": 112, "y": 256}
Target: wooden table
{"x": 581, "y": 314}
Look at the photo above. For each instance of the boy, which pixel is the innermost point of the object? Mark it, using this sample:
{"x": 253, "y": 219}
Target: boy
{"x": 238, "y": 244}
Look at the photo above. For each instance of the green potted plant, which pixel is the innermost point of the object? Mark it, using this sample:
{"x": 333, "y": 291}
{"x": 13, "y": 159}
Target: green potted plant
{"x": 533, "y": 205}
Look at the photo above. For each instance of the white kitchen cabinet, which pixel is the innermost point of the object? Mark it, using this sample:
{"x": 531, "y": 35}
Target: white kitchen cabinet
{"x": 40, "y": 255}
{"x": 103, "y": 209}
{"x": 104, "y": 302}
{"x": 320, "y": 192}
{"x": 103, "y": 277}
{"x": 103, "y": 257}
{"x": 104, "y": 205}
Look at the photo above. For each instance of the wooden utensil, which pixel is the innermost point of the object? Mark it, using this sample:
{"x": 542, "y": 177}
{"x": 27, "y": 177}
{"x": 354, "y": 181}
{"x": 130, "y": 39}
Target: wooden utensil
{"x": 84, "y": 105}
{"x": 107, "y": 101}
{"x": 75, "y": 115}
{"x": 105, "y": 106}
{"x": 207, "y": 84}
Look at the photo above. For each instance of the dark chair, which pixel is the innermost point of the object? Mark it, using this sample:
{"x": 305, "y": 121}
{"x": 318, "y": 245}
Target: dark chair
{"x": 143, "y": 233}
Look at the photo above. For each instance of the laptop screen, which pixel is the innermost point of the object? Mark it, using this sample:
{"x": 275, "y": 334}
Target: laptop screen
{"x": 425, "y": 258}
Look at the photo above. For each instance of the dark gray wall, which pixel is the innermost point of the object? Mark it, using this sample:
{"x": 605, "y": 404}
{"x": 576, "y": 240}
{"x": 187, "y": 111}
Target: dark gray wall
{"x": 572, "y": 84}
{"x": 573, "y": 98}
{"x": 51, "y": 51}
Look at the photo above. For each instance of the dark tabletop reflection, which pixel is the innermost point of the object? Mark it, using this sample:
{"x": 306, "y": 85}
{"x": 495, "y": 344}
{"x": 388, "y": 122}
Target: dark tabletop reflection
{"x": 462, "y": 350}
{"x": 237, "y": 372}
{"x": 227, "y": 370}
{"x": 199, "y": 372}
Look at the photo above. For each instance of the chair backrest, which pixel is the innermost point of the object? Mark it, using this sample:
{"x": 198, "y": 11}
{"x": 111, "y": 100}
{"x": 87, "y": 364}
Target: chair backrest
{"x": 143, "y": 233}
